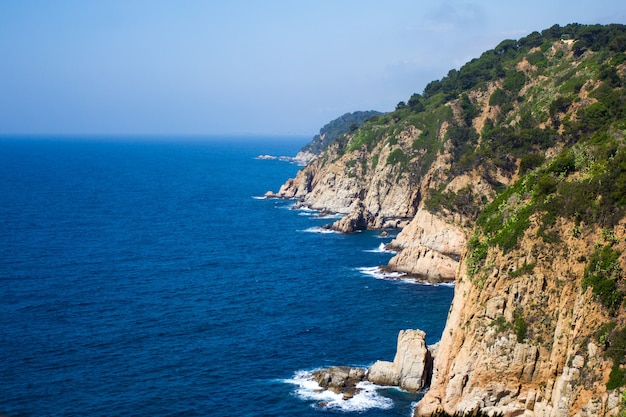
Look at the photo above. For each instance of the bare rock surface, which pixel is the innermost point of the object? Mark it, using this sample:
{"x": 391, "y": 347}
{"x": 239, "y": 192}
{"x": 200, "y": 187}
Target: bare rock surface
{"x": 412, "y": 366}
{"x": 428, "y": 248}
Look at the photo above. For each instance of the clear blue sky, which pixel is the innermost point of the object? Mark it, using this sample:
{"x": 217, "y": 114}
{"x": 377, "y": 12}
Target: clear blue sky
{"x": 242, "y": 66}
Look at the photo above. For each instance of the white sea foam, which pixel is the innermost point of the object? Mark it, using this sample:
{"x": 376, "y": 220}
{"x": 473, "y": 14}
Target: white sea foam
{"x": 335, "y": 216}
{"x": 380, "y": 249}
{"x": 318, "y": 229}
{"x": 259, "y": 197}
{"x": 368, "y": 398}
{"x": 307, "y": 210}
{"x": 378, "y": 273}
{"x": 432, "y": 284}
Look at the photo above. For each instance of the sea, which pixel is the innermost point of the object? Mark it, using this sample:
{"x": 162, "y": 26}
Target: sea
{"x": 149, "y": 276}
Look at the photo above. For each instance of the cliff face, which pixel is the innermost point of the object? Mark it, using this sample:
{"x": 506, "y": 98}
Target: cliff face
{"x": 374, "y": 191}
{"x": 508, "y": 176}
{"x": 527, "y": 341}
{"x": 358, "y": 182}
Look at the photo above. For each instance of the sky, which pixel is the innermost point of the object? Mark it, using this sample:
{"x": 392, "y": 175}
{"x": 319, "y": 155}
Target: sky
{"x": 284, "y": 67}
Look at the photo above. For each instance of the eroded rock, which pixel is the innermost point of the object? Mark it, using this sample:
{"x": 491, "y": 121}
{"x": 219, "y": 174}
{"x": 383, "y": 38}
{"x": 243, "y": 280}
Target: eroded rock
{"x": 411, "y": 368}
{"x": 340, "y": 379}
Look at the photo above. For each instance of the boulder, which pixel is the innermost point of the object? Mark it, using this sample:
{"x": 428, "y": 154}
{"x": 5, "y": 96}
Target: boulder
{"x": 358, "y": 219}
{"x": 340, "y": 379}
{"x": 384, "y": 373}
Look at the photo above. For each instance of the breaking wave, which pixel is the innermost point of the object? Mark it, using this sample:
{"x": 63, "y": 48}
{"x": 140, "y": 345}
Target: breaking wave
{"x": 319, "y": 229}
{"x": 378, "y": 273}
{"x": 380, "y": 249}
{"x": 308, "y": 390}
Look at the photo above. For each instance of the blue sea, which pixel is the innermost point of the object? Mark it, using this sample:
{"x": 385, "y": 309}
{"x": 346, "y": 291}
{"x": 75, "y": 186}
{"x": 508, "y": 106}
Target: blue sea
{"x": 149, "y": 277}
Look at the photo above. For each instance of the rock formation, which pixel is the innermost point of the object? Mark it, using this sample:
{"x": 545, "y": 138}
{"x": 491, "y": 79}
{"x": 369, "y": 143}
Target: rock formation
{"x": 412, "y": 366}
{"x": 429, "y": 248}
{"x": 340, "y": 379}
{"x": 411, "y": 369}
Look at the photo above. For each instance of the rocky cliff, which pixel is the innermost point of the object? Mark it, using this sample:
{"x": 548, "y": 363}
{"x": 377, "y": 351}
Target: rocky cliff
{"x": 508, "y": 176}
{"x": 526, "y": 336}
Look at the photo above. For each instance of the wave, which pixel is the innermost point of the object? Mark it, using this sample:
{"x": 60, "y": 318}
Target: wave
{"x": 368, "y": 398}
{"x": 319, "y": 229}
{"x": 308, "y": 212}
{"x": 380, "y": 249}
{"x": 378, "y": 273}
{"x": 332, "y": 216}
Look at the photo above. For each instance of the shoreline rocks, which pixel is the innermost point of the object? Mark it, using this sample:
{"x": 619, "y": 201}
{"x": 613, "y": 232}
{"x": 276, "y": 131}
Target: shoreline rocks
{"x": 340, "y": 379}
{"x": 411, "y": 369}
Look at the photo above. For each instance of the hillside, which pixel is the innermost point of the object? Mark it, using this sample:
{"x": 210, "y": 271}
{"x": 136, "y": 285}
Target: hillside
{"x": 336, "y": 128}
{"x": 508, "y": 176}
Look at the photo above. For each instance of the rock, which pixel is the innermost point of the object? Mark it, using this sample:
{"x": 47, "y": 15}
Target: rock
{"x": 425, "y": 264}
{"x": 411, "y": 368}
{"x": 384, "y": 373}
{"x": 358, "y": 219}
{"x": 428, "y": 248}
{"x": 340, "y": 379}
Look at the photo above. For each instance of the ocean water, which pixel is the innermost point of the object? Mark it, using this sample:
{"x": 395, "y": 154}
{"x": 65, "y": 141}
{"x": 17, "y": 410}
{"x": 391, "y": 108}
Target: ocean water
{"x": 147, "y": 277}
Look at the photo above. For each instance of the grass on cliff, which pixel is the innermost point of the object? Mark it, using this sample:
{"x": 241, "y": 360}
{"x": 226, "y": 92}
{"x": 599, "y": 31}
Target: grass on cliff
{"x": 613, "y": 340}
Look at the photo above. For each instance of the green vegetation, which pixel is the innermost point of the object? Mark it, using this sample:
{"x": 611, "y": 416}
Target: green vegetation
{"x": 613, "y": 341}
{"x": 366, "y": 136}
{"x": 477, "y": 253}
{"x": 622, "y": 408}
{"x": 602, "y": 274}
{"x": 616, "y": 350}
{"x": 500, "y": 324}
{"x": 397, "y": 156}
{"x": 520, "y": 328}
{"x": 349, "y": 122}
{"x": 525, "y": 269}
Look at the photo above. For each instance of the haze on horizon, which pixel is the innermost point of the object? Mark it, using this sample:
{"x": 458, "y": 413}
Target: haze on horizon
{"x": 242, "y": 66}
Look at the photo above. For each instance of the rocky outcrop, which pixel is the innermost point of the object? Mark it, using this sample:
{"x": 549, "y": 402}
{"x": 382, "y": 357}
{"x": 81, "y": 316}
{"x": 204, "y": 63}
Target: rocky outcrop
{"x": 410, "y": 370}
{"x": 357, "y": 219}
{"x": 412, "y": 366}
{"x": 429, "y": 248}
{"x": 377, "y": 197}
{"x": 340, "y": 379}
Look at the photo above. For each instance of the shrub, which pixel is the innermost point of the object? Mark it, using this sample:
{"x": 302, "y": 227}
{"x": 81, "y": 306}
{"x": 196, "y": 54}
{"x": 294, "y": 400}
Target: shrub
{"x": 477, "y": 254}
{"x": 397, "y": 157}
{"x": 601, "y": 274}
{"x": 498, "y": 98}
{"x": 530, "y": 162}
{"x": 520, "y": 328}
{"x": 615, "y": 351}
